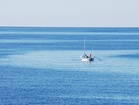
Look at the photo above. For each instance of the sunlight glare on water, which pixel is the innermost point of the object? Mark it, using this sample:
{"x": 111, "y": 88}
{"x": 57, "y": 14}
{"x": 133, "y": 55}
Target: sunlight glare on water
{"x": 70, "y": 60}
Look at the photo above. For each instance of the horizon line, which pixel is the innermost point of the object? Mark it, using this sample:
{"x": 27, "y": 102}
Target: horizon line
{"x": 72, "y": 26}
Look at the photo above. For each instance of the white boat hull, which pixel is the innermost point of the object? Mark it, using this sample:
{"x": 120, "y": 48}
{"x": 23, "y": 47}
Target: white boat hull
{"x": 86, "y": 59}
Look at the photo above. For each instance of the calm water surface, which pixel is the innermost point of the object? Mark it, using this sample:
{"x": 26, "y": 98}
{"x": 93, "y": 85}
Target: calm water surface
{"x": 41, "y": 66}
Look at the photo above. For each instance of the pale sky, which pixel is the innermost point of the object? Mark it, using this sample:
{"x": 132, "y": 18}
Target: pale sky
{"x": 70, "y": 13}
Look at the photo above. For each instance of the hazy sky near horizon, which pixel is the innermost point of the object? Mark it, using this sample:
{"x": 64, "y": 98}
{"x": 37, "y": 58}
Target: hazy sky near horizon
{"x": 70, "y": 13}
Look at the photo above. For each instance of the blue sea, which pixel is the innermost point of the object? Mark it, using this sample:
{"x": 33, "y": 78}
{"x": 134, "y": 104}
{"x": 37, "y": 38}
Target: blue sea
{"x": 42, "y": 66}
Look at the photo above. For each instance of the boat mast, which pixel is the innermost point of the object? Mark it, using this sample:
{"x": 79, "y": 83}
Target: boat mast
{"x": 84, "y": 45}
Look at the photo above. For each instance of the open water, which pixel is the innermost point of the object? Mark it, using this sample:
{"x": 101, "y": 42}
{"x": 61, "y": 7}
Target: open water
{"x": 41, "y": 66}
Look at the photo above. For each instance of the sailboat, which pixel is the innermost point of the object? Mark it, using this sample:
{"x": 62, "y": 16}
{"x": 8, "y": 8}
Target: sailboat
{"x": 86, "y": 57}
